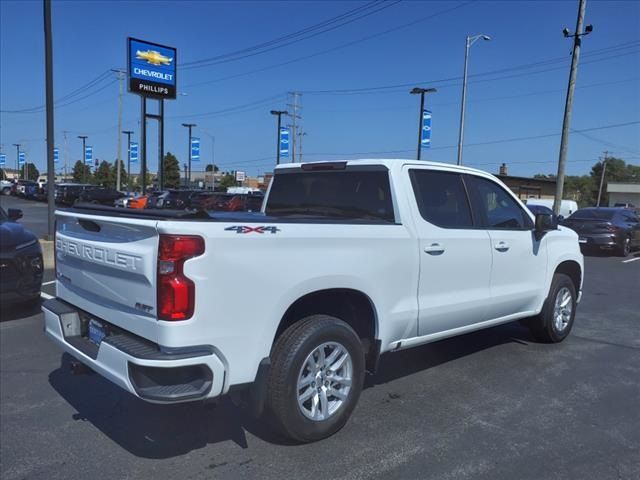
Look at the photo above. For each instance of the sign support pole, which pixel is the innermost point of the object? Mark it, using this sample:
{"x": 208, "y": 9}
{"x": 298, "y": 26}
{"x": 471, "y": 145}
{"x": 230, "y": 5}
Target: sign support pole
{"x": 161, "y": 146}
{"x": 143, "y": 145}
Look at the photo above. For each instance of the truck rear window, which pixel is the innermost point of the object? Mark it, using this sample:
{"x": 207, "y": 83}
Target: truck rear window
{"x": 357, "y": 195}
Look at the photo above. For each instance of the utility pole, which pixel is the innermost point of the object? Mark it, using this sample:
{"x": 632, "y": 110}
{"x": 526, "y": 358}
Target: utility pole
{"x": 421, "y": 92}
{"x": 564, "y": 142}
{"x": 604, "y": 168}
{"x": 189, "y": 126}
{"x": 295, "y": 106}
{"x": 279, "y": 113}
{"x": 128, "y": 134}
{"x": 17, "y": 145}
{"x": 84, "y": 156}
{"x": 121, "y": 77}
{"x": 48, "y": 68}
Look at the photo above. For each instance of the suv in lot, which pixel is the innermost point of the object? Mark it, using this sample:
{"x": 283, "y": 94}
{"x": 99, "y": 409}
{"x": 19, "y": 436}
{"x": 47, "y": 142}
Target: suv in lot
{"x": 347, "y": 261}
{"x": 67, "y": 193}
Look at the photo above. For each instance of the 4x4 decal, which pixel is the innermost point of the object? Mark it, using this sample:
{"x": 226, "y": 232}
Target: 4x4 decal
{"x": 247, "y": 229}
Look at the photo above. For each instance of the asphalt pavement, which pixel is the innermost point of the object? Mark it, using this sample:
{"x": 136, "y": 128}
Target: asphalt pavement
{"x": 489, "y": 405}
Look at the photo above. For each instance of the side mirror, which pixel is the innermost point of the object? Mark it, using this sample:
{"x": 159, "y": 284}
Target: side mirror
{"x": 544, "y": 223}
{"x": 14, "y": 214}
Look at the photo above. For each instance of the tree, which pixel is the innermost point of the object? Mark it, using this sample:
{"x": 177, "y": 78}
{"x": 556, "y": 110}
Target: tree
{"x": 171, "y": 171}
{"x": 103, "y": 175}
{"x": 81, "y": 172}
{"x": 616, "y": 170}
{"x": 212, "y": 168}
{"x": 228, "y": 181}
{"x": 32, "y": 172}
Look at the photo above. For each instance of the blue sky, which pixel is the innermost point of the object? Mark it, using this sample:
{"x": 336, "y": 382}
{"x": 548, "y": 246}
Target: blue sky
{"x": 90, "y": 37}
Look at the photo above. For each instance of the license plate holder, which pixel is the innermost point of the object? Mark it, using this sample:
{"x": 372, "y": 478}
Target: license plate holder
{"x": 97, "y": 332}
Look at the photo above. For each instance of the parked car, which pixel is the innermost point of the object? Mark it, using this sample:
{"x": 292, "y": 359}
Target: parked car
{"x": 567, "y": 207}
{"x": 625, "y": 205}
{"x": 156, "y": 199}
{"x": 21, "y": 266}
{"x": 66, "y": 194}
{"x": 225, "y": 202}
{"x": 349, "y": 260}
{"x": 100, "y": 195}
{"x": 606, "y": 228}
{"x": 26, "y": 188}
{"x": 5, "y": 187}
{"x": 178, "y": 199}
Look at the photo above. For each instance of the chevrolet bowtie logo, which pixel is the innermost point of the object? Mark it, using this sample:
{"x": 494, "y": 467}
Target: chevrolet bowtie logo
{"x": 153, "y": 57}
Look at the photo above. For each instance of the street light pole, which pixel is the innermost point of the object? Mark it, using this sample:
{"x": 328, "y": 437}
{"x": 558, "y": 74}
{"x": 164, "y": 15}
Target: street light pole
{"x": 189, "y": 126}
{"x": 128, "y": 133}
{"x": 421, "y": 92}
{"x": 279, "y": 113}
{"x": 84, "y": 157}
{"x": 469, "y": 41}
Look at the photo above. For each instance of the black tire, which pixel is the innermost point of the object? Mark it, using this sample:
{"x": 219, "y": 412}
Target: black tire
{"x": 624, "y": 249}
{"x": 543, "y": 326}
{"x": 288, "y": 356}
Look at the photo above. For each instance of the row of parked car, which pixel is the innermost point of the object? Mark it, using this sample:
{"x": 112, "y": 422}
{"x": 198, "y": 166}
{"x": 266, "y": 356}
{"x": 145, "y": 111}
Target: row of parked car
{"x": 67, "y": 194}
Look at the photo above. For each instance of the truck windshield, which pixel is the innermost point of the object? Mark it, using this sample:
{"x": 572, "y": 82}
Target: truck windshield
{"x": 358, "y": 195}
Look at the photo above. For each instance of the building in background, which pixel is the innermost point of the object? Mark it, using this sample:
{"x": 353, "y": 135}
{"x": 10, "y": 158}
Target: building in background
{"x": 525, "y": 187}
{"x": 623, "y": 193}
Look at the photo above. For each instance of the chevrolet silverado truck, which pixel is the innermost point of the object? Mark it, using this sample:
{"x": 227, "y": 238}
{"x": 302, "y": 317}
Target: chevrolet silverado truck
{"x": 293, "y": 305}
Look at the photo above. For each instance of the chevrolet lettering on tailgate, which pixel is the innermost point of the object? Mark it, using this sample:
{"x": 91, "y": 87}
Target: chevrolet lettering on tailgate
{"x": 95, "y": 254}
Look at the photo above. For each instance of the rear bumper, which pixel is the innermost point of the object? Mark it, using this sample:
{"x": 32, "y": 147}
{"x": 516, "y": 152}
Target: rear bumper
{"x": 146, "y": 370}
{"x": 600, "y": 240}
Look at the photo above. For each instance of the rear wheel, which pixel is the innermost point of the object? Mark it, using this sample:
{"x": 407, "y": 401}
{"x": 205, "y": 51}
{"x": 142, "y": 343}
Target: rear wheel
{"x": 625, "y": 247}
{"x": 317, "y": 371}
{"x": 555, "y": 321}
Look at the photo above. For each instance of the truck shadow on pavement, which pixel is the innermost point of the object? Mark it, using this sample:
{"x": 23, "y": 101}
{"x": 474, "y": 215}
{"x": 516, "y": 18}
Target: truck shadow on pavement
{"x": 165, "y": 431}
{"x": 14, "y": 311}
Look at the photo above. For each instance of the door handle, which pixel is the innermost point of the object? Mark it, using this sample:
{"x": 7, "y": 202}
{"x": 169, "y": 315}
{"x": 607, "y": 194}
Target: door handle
{"x": 434, "y": 248}
{"x": 502, "y": 246}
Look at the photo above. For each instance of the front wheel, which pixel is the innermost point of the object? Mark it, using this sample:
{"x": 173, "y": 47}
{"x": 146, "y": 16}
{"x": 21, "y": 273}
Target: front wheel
{"x": 317, "y": 372}
{"x": 625, "y": 247}
{"x": 554, "y": 322}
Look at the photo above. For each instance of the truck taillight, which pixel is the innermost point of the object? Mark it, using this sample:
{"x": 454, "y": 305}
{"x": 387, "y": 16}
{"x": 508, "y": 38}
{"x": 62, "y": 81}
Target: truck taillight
{"x": 176, "y": 292}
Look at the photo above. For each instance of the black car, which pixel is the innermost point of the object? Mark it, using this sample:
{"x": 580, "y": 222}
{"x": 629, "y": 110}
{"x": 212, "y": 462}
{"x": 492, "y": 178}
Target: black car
{"x": 179, "y": 199}
{"x": 68, "y": 193}
{"x": 21, "y": 266}
{"x": 616, "y": 229}
{"x": 100, "y": 195}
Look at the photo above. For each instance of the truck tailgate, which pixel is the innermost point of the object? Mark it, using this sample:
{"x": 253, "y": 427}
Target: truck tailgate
{"x": 106, "y": 266}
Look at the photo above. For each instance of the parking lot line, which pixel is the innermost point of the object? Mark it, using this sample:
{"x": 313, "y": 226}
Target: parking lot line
{"x": 631, "y": 260}
{"x": 48, "y": 283}
{"x": 46, "y": 296}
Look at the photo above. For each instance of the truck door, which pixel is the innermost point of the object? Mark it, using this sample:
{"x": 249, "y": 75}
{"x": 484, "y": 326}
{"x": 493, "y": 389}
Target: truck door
{"x": 455, "y": 258}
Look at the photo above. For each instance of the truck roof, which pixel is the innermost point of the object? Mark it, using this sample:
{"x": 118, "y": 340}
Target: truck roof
{"x": 390, "y": 163}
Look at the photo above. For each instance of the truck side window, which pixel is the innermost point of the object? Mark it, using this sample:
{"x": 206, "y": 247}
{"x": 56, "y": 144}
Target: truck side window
{"x": 441, "y": 197}
{"x": 493, "y": 207}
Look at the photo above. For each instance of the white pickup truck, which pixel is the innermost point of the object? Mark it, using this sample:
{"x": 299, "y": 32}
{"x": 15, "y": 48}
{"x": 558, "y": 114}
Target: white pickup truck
{"x": 346, "y": 261}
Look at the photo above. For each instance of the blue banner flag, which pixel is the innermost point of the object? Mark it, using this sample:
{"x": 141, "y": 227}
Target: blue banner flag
{"x": 21, "y": 158}
{"x": 56, "y": 155}
{"x": 133, "y": 153}
{"x": 195, "y": 149}
{"x": 425, "y": 139}
{"x": 284, "y": 142}
{"x": 88, "y": 154}
{"x": 3, "y": 159}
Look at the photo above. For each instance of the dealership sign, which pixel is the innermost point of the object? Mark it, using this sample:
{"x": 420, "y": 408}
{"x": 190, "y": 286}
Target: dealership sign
{"x": 151, "y": 69}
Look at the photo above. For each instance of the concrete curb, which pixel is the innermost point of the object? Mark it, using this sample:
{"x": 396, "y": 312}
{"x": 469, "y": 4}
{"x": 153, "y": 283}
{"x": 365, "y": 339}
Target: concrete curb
{"x": 47, "y": 254}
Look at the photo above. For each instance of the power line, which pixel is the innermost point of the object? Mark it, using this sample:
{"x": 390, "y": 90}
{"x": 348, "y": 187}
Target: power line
{"x": 235, "y": 109}
{"x": 563, "y": 60}
{"x": 96, "y": 81}
{"x": 330, "y": 50}
{"x": 373, "y": 7}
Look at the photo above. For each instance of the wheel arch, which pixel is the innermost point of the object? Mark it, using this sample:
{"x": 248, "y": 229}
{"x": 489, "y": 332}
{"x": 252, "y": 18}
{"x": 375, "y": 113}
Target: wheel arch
{"x": 573, "y": 270}
{"x": 349, "y": 305}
